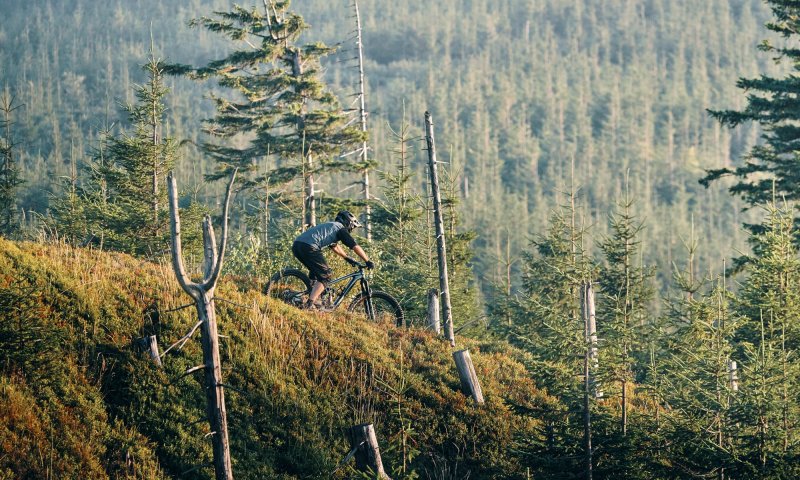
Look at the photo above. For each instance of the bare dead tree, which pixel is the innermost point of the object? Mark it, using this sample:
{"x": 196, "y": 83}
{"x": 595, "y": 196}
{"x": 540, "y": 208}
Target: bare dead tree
{"x": 363, "y": 117}
{"x": 444, "y": 285}
{"x": 203, "y": 295}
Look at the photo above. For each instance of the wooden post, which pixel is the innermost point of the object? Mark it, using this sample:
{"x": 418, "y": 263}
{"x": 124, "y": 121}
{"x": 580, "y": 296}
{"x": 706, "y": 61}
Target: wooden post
{"x": 469, "y": 379}
{"x": 363, "y": 115}
{"x": 368, "y": 456}
{"x": 203, "y": 295}
{"x": 444, "y": 286}
{"x": 433, "y": 310}
{"x": 587, "y": 421}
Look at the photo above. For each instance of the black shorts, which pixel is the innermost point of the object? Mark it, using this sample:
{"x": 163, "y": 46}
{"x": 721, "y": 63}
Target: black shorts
{"x": 313, "y": 259}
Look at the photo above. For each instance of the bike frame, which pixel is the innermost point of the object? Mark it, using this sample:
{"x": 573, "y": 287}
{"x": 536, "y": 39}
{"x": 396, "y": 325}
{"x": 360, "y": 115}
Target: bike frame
{"x": 355, "y": 277}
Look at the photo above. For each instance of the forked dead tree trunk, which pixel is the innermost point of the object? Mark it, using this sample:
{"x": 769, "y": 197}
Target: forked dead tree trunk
{"x": 444, "y": 285}
{"x": 203, "y": 295}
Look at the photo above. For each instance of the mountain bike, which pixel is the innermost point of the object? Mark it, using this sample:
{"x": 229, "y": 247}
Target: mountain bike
{"x": 293, "y": 286}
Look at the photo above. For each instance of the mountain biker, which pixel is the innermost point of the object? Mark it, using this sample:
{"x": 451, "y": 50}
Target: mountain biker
{"x": 307, "y": 248}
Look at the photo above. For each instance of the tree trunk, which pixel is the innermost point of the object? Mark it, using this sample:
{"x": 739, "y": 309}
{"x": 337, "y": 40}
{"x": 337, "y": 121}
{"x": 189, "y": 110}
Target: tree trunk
{"x": 203, "y": 296}
{"x": 215, "y": 394}
{"x": 589, "y": 366}
{"x": 433, "y": 311}
{"x": 152, "y": 345}
{"x": 444, "y": 286}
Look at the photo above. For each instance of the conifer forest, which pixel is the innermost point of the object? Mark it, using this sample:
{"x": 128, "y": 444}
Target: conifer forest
{"x": 582, "y": 217}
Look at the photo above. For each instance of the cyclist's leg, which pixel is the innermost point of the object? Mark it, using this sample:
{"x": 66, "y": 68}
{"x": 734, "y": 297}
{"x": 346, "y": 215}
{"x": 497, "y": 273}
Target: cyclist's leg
{"x": 318, "y": 270}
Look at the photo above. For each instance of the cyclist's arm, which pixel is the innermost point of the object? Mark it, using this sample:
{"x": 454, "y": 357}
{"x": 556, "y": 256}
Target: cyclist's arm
{"x": 338, "y": 250}
{"x": 360, "y": 252}
{"x": 349, "y": 242}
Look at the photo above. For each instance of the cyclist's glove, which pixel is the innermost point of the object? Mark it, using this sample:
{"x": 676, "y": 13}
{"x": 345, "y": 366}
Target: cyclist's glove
{"x": 370, "y": 265}
{"x": 351, "y": 261}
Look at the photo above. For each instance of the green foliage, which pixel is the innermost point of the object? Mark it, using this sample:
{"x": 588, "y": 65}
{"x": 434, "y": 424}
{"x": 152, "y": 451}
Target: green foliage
{"x": 694, "y": 384}
{"x": 546, "y": 322}
{"x": 617, "y": 93}
{"x": 402, "y": 229}
{"x": 122, "y": 205}
{"x": 624, "y": 323}
{"x": 767, "y": 342}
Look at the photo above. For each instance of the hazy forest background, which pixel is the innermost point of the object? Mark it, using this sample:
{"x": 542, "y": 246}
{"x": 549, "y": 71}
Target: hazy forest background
{"x": 521, "y": 93}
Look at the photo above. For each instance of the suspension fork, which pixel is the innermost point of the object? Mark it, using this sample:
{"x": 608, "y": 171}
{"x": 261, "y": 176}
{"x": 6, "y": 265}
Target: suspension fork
{"x": 366, "y": 291}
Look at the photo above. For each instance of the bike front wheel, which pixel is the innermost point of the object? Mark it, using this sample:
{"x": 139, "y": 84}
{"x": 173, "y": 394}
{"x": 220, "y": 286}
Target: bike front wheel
{"x": 384, "y": 307}
{"x": 290, "y": 286}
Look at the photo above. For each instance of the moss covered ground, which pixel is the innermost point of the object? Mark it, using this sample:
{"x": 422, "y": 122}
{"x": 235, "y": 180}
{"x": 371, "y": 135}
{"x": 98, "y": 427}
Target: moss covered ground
{"x": 79, "y": 399}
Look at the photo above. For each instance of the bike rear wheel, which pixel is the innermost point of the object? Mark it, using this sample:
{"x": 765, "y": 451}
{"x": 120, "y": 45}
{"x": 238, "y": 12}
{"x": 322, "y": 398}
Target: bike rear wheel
{"x": 290, "y": 285}
{"x": 385, "y": 308}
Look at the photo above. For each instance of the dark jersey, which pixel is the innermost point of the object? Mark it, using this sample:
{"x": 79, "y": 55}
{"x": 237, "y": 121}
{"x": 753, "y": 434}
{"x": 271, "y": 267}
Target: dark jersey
{"x": 326, "y": 235}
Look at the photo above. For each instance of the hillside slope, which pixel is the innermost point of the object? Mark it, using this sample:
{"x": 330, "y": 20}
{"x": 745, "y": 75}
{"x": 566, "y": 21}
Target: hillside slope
{"x": 79, "y": 401}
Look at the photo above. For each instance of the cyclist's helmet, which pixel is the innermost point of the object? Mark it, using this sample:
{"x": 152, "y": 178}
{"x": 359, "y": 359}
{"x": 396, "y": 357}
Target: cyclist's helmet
{"x": 349, "y": 220}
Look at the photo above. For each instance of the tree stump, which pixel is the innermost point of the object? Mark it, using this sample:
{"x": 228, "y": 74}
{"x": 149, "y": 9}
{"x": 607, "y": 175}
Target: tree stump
{"x": 469, "y": 379}
{"x": 368, "y": 456}
{"x": 150, "y": 345}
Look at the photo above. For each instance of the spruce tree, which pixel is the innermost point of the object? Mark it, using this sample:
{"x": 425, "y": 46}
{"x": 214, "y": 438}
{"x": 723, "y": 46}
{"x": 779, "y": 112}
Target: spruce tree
{"x": 771, "y": 167}
{"x": 279, "y": 106}
{"x": 463, "y": 293}
{"x": 695, "y": 429}
{"x": 547, "y": 323}
{"x": 767, "y": 342}
{"x": 624, "y": 302}
{"x": 9, "y": 169}
{"x": 121, "y": 204}
{"x": 129, "y": 197}
{"x": 400, "y": 233}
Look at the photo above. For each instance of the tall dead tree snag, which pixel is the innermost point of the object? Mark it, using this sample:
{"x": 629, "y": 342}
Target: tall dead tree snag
{"x": 203, "y": 295}
{"x": 590, "y": 324}
{"x": 590, "y": 366}
{"x": 444, "y": 286}
{"x": 362, "y": 110}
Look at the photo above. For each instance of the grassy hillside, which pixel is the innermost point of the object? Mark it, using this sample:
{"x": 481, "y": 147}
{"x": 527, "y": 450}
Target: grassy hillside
{"x": 78, "y": 400}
